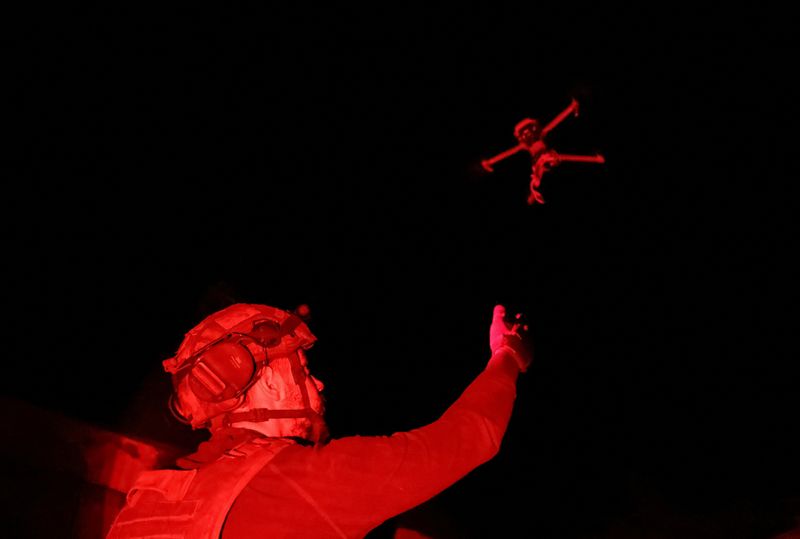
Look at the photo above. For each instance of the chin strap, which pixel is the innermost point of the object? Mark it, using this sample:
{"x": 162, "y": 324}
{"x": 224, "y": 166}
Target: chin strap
{"x": 259, "y": 415}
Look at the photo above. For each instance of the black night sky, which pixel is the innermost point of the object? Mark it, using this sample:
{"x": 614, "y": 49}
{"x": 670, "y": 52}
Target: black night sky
{"x": 164, "y": 165}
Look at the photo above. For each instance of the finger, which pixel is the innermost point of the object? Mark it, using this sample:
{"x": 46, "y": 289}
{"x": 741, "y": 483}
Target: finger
{"x": 519, "y": 323}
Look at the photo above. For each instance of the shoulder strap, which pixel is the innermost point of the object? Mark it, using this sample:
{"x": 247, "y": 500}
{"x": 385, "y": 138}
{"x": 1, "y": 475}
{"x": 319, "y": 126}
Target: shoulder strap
{"x": 189, "y": 504}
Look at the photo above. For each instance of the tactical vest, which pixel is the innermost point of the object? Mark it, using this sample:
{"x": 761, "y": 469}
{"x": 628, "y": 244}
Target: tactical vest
{"x": 191, "y": 504}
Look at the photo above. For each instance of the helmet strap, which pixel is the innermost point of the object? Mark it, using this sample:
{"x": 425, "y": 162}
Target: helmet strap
{"x": 259, "y": 415}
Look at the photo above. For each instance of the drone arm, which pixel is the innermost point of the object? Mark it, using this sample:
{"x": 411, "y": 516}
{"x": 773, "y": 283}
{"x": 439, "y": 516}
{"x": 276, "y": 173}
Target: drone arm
{"x": 487, "y": 163}
{"x": 571, "y": 109}
{"x": 547, "y": 161}
{"x": 562, "y": 157}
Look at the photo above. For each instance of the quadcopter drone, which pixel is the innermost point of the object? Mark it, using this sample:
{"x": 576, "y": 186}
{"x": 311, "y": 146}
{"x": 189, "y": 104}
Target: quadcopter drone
{"x": 531, "y": 136}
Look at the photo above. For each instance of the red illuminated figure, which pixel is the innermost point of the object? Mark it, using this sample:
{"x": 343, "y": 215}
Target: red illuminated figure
{"x": 531, "y": 137}
{"x": 270, "y": 469}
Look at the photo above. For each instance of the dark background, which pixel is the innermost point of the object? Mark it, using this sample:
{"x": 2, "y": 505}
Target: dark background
{"x": 165, "y": 165}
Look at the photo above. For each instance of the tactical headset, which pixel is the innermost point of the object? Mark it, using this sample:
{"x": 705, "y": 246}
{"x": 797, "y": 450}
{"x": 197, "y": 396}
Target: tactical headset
{"x": 227, "y": 367}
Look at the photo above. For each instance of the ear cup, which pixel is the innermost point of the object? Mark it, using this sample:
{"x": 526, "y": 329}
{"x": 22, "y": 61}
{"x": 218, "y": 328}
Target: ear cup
{"x": 222, "y": 372}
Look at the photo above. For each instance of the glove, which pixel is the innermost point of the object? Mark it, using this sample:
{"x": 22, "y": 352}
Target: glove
{"x": 510, "y": 338}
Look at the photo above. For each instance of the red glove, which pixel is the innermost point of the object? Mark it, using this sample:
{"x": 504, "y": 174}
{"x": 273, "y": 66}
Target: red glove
{"x": 510, "y": 338}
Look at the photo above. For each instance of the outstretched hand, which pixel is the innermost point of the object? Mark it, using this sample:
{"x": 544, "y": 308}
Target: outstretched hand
{"x": 510, "y": 337}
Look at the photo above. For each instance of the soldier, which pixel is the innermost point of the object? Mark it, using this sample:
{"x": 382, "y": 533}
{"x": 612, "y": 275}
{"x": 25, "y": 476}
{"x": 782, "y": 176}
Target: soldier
{"x": 270, "y": 468}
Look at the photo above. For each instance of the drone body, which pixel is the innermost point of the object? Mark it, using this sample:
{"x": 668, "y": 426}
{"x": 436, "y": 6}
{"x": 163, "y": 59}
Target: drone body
{"x": 530, "y": 137}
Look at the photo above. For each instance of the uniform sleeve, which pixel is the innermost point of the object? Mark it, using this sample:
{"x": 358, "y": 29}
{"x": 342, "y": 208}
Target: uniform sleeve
{"x": 353, "y": 484}
{"x": 467, "y": 435}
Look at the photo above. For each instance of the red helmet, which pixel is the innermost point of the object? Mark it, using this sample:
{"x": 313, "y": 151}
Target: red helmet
{"x": 220, "y": 358}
